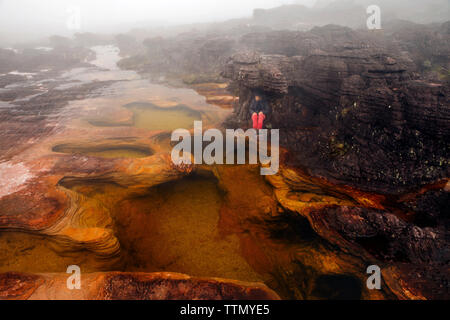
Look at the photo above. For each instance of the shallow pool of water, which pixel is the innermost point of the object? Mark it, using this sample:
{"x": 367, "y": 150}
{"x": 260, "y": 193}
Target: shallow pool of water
{"x": 152, "y": 117}
{"x": 109, "y": 151}
{"x": 175, "y": 227}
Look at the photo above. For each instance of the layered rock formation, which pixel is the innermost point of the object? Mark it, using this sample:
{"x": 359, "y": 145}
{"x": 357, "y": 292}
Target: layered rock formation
{"x": 195, "y": 58}
{"x": 366, "y": 116}
{"x": 350, "y": 107}
{"x": 411, "y": 248}
{"x": 353, "y": 109}
{"x": 359, "y": 112}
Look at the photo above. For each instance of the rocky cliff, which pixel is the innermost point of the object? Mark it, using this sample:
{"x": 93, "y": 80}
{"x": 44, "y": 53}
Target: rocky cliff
{"x": 351, "y": 106}
{"x": 364, "y": 116}
{"x": 358, "y": 109}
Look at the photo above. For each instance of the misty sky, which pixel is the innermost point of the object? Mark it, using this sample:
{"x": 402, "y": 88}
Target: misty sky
{"x": 106, "y": 15}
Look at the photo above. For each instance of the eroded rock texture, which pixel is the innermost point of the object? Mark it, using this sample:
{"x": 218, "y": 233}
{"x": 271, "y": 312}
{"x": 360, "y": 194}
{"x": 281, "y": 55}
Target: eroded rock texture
{"x": 411, "y": 248}
{"x": 360, "y": 110}
{"x": 129, "y": 286}
{"x": 365, "y": 115}
{"x": 350, "y": 106}
{"x": 422, "y": 251}
{"x": 369, "y": 109}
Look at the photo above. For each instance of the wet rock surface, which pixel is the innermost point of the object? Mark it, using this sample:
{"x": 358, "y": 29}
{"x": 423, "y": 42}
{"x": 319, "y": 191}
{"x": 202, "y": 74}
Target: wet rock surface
{"x": 62, "y": 176}
{"x": 128, "y": 286}
{"x": 359, "y": 110}
{"x": 365, "y": 125}
{"x": 35, "y": 118}
{"x": 374, "y": 228}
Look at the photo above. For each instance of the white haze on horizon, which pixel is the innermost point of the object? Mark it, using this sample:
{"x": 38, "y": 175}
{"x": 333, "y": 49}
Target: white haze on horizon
{"x": 28, "y": 19}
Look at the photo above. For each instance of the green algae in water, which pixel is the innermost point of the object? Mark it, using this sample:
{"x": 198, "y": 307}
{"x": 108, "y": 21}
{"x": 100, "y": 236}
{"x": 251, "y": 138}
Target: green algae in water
{"x": 152, "y": 117}
{"x": 105, "y": 151}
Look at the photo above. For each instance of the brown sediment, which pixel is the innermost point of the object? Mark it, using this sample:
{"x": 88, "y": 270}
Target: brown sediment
{"x": 175, "y": 228}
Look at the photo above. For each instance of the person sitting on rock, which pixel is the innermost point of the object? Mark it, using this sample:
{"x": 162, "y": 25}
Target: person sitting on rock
{"x": 259, "y": 109}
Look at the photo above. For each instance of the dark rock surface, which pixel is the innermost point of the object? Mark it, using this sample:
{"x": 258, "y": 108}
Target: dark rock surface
{"x": 139, "y": 287}
{"x": 368, "y": 109}
{"x": 195, "y": 58}
{"x": 422, "y": 254}
{"x": 365, "y": 109}
{"x": 431, "y": 209}
{"x": 351, "y": 106}
{"x": 129, "y": 286}
{"x": 396, "y": 239}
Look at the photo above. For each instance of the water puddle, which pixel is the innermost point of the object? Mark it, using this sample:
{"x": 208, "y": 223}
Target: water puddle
{"x": 149, "y": 116}
{"x": 152, "y": 117}
{"x": 175, "y": 227}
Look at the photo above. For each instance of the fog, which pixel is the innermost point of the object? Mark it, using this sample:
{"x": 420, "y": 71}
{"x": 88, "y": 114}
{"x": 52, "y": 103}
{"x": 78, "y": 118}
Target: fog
{"x": 28, "y": 20}
{"x": 31, "y": 18}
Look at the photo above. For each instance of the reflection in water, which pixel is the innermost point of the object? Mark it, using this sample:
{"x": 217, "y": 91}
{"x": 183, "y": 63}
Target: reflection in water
{"x": 105, "y": 69}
